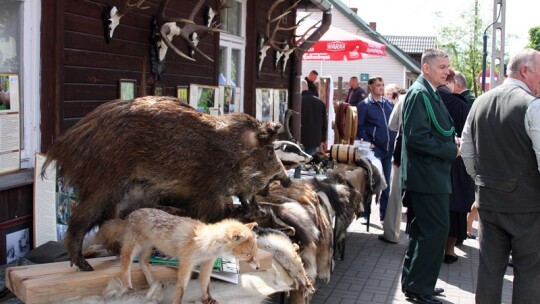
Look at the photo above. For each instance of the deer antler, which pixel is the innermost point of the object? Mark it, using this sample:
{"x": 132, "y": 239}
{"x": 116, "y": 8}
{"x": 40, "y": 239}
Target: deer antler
{"x": 283, "y": 49}
{"x": 275, "y": 22}
{"x": 115, "y": 14}
{"x": 170, "y": 27}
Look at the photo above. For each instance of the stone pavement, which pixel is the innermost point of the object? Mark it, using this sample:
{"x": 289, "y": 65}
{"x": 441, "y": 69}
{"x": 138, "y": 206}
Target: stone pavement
{"x": 371, "y": 271}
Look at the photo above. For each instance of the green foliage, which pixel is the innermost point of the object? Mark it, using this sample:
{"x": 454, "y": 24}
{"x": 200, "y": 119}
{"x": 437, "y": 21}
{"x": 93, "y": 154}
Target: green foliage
{"x": 463, "y": 42}
{"x": 534, "y": 38}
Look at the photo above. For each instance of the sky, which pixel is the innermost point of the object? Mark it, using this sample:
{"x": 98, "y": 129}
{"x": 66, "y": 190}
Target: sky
{"x": 401, "y": 17}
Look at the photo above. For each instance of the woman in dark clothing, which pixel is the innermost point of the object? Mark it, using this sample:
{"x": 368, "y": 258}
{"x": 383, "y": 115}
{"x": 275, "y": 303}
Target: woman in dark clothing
{"x": 462, "y": 196}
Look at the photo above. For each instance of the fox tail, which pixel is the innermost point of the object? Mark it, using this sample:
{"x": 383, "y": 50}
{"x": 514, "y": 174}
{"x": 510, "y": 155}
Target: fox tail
{"x": 110, "y": 234}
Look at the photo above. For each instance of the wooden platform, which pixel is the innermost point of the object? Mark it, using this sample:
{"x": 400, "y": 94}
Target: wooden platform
{"x": 53, "y": 282}
{"x": 58, "y": 281}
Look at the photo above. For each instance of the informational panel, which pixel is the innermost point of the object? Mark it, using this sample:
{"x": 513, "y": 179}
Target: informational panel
{"x": 10, "y": 123}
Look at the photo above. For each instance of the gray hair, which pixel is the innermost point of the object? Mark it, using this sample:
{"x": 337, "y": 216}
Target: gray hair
{"x": 429, "y": 56}
{"x": 460, "y": 78}
{"x": 525, "y": 57}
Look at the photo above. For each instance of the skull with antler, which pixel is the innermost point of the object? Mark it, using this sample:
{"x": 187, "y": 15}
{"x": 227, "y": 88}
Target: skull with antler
{"x": 283, "y": 48}
{"x": 116, "y": 13}
{"x": 170, "y": 27}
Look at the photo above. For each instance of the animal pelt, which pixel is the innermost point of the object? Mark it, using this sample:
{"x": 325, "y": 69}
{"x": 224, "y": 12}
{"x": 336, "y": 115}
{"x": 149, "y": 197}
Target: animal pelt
{"x": 254, "y": 287}
{"x": 190, "y": 240}
{"x": 316, "y": 254}
{"x": 117, "y": 293}
{"x": 286, "y": 253}
{"x": 169, "y": 150}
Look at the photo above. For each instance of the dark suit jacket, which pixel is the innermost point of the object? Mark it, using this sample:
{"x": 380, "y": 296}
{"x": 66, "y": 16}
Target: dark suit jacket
{"x": 312, "y": 87}
{"x": 426, "y": 156}
{"x": 355, "y": 96}
{"x": 313, "y": 120}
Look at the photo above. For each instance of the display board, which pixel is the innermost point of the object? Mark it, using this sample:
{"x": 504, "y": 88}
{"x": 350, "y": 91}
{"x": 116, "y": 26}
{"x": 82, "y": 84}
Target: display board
{"x": 10, "y": 123}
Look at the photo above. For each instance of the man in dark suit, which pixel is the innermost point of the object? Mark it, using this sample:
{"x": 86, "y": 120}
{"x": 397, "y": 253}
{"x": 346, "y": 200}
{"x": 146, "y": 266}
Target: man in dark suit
{"x": 461, "y": 88}
{"x": 356, "y": 93}
{"x": 501, "y": 151}
{"x": 313, "y": 120}
{"x": 428, "y": 149}
{"x": 310, "y": 79}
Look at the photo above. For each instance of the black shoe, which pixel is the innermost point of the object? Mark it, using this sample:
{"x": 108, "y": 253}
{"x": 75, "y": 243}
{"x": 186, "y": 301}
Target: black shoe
{"x": 422, "y": 299}
{"x": 471, "y": 236}
{"x": 382, "y": 238}
{"x": 437, "y": 291}
{"x": 449, "y": 259}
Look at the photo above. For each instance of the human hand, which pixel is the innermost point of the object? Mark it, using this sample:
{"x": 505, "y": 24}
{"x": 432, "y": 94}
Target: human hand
{"x": 458, "y": 151}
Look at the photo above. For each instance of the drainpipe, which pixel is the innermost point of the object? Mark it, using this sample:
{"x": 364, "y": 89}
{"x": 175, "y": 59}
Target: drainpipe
{"x": 326, "y": 7}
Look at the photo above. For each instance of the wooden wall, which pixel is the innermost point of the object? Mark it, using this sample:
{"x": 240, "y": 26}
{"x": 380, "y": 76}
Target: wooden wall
{"x": 16, "y": 203}
{"x": 80, "y": 70}
{"x": 269, "y": 76}
{"x": 84, "y": 69}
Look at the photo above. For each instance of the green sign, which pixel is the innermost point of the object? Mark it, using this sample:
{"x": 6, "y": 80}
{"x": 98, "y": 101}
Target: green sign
{"x": 364, "y": 77}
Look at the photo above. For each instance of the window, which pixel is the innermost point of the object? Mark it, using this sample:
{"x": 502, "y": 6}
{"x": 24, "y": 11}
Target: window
{"x": 232, "y": 45}
{"x": 20, "y": 54}
{"x": 10, "y": 36}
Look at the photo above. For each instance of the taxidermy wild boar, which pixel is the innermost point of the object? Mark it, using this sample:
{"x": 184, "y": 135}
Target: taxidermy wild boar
{"x": 165, "y": 150}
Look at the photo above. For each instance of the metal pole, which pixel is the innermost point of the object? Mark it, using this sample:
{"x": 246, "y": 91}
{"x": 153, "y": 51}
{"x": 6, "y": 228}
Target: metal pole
{"x": 484, "y": 59}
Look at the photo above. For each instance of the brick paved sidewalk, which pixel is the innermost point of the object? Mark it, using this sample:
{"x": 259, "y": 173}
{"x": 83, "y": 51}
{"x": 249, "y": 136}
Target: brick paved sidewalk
{"x": 371, "y": 271}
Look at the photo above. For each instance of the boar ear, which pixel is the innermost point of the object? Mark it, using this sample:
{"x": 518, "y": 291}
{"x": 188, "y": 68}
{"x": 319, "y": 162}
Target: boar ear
{"x": 253, "y": 226}
{"x": 237, "y": 236}
{"x": 249, "y": 138}
{"x": 268, "y": 131}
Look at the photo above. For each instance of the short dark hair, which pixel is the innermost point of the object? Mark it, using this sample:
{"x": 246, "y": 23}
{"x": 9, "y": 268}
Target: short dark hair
{"x": 314, "y": 72}
{"x": 374, "y": 78}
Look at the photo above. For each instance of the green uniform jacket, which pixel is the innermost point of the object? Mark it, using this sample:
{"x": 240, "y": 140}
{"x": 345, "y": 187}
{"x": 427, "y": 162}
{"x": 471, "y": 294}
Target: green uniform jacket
{"x": 427, "y": 155}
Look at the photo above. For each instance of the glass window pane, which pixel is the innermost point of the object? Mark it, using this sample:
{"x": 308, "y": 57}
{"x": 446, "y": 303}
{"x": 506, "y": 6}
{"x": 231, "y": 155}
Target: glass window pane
{"x": 231, "y": 18}
{"x": 222, "y": 65}
{"x": 9, "y": 36}
{"x": 235, "y": 67}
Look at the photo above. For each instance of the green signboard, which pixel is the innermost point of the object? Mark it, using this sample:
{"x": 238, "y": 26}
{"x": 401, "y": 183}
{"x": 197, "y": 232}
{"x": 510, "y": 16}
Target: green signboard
{"x": 364, "y": 77}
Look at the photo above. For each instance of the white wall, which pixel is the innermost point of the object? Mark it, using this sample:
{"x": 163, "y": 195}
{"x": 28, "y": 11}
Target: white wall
{"x": 389, "y": 68}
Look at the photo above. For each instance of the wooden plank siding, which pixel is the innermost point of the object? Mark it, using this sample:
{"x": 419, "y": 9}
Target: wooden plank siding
{"x": 269, "y": 76}
{"x": 87, "y": 69}
{"x": 83, "y": 70}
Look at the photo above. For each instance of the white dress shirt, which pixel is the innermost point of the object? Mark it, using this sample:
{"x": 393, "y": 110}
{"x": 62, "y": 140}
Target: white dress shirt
{"x": 532, "y": 127}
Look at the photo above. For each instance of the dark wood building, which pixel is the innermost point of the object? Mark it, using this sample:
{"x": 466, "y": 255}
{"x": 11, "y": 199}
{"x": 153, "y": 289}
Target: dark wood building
{"x": 74, "y": 66}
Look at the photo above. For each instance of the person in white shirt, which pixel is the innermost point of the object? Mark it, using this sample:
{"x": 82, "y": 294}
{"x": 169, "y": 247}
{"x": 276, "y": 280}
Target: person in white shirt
{"x": 501, "y": 150}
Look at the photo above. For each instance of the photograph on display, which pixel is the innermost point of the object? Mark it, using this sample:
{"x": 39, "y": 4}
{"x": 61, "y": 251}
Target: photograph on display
{"x": 205, "y": 99}
{"x": 280, "y": 104}
{"x": 16, "y": 239}
{"x": 228, "y": 96}
{"x": 67, "y": 200}
{"x": 54, "y": 202}
{"x": 182, "y": 93}
{"x": 127, "y": 89}
{"x": 10, "y": 123}
{"x": 9, "y": 92}
{"x": 158, "y": 89}
{"x": 264, "y": 106}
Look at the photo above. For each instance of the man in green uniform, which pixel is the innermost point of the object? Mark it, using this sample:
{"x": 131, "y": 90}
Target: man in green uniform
{"x": 428, "y": 149}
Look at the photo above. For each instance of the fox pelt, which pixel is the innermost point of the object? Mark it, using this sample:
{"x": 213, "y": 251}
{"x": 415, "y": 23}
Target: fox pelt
{"x": 190, "y": 240}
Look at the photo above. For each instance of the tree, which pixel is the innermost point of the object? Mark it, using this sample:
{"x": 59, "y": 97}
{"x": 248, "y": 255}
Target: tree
{"x": 534, "y": 38}
{"x": 463, "y": 43}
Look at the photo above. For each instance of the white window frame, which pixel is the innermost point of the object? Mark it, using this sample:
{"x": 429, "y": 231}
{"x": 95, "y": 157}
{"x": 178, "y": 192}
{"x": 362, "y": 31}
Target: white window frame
{"x": 230, "y": 42}
{"x": 30, "y": 75}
